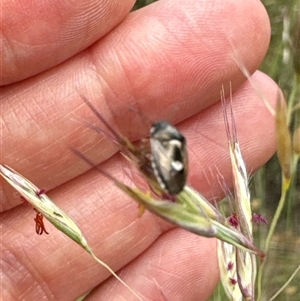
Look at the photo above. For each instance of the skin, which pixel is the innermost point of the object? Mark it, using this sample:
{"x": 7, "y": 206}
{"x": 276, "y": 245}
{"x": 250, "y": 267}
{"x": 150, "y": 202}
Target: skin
{"x": 167, "y": 61}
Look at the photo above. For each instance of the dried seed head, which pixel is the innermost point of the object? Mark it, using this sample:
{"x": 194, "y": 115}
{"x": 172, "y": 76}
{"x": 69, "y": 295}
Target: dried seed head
{"x": 284, "y": 141}
{"x": 296, "y": 141}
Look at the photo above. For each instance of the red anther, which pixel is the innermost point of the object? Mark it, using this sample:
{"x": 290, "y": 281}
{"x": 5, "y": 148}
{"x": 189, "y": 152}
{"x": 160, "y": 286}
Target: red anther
{"x": 233, "y": 220}
{"x": 259, "y": 219}
{"x": 230, "y": 266}
{"x": 232, "y": 281}
{"x": 39, "y": 223}
{"x": 42, "y": 191}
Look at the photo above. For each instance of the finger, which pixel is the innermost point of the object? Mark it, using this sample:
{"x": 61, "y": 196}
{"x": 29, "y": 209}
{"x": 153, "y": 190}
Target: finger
{"x": 109, "y": 218}
{"x": 179, "y": 266}
{"x": 38, "y": 36}
{"x": 42, "y": 117}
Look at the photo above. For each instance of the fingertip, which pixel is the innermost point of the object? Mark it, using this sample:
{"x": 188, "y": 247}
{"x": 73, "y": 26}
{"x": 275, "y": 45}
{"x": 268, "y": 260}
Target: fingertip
{"x": 38, "y": 35}
{"x": 168, "y": 51}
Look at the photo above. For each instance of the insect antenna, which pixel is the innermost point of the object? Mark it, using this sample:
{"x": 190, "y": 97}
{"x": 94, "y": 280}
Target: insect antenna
{"x": 91, "y": 163}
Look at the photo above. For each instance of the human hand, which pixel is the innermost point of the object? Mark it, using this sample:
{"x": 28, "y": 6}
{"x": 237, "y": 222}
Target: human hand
{"x": 167, "y": 61}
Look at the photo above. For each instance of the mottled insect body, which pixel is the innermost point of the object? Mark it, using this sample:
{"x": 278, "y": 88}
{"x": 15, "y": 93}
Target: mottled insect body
{"x": 168, "y": 157}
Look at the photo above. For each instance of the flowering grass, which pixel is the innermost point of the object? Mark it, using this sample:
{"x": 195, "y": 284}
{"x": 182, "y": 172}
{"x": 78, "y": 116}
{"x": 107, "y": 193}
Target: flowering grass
{"x": 240, "y": 243}
{"x": 275, "y": 188}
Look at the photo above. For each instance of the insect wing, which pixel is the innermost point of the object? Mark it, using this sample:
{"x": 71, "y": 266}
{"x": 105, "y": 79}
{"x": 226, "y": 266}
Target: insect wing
{"x": 169, "y": 157}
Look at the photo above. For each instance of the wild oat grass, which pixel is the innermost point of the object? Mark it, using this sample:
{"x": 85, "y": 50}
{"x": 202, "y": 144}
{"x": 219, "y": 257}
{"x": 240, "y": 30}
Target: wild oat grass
{"x": 281, "y": 202}
{"x": 275, "y": 188}
{"x": 45, "y": 207}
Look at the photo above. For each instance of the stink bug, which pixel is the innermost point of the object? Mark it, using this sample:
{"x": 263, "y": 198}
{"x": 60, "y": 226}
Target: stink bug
{"x": 168, "y": 157}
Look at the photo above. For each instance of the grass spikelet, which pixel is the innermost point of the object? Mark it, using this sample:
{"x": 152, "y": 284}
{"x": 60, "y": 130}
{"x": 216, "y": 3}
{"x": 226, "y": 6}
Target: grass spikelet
{"x": 186, "y": 212}
{"x": 188, "y": 209}
{"x": 284, "y": 142}
{"x": 244, "y": 263}
{"x": 47, "y": 208}
{"x": 228, "y": 273}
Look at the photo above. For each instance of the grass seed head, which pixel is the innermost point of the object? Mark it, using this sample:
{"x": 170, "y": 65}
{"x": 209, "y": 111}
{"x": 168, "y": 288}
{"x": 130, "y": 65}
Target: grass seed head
{"x": 227, "y": 266}
{"x": 43, "y": 205}
{"x": 242, "y": 284}
{"x": 284, "y": 141}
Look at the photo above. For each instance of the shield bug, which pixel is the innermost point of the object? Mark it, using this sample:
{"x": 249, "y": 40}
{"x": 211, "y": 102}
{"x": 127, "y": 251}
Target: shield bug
{"x": 168, "y": 157}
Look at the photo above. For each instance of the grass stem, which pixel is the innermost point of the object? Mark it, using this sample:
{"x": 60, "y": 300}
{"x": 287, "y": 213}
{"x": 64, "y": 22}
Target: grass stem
{"x": 284, "y": 189}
